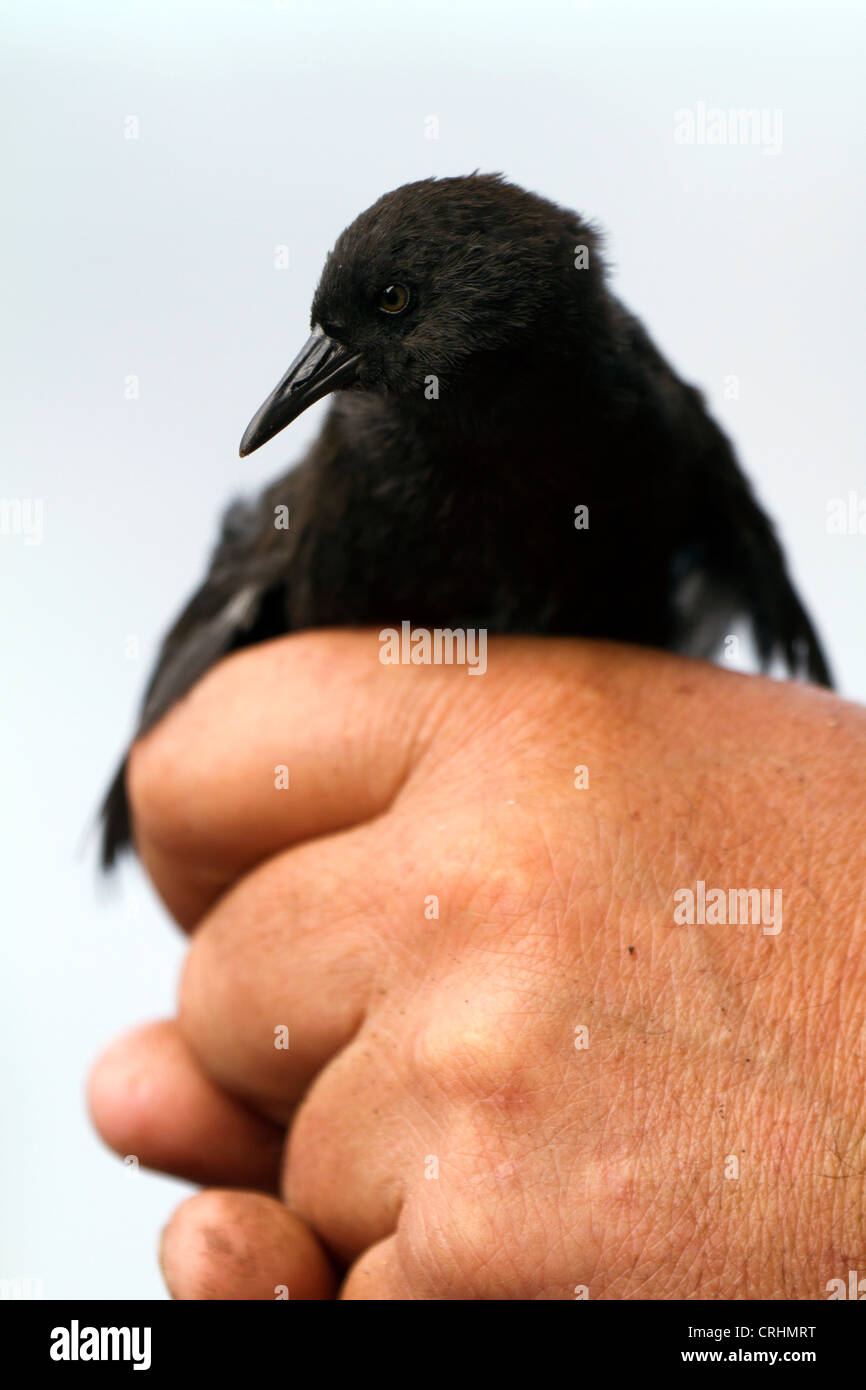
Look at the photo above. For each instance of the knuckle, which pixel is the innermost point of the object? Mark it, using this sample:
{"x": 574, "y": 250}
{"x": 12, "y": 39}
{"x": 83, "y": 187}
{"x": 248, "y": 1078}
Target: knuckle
{"x": 459, "y": 1052}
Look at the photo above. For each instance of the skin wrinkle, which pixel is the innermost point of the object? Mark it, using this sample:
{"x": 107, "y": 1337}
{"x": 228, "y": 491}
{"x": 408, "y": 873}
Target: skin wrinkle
{"x": 431, "y": 1222}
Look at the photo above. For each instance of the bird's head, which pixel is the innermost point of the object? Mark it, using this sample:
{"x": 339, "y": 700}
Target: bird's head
{"x": 444, "y": 279}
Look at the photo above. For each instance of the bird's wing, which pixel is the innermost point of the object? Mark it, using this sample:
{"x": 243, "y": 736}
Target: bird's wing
{"x": 731, "y": 563}
{"x": 242, "y": 600}
{"x": 743, "y": 566}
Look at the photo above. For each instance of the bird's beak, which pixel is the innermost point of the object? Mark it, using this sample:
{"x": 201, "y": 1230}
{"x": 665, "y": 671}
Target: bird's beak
{"x": 321, "y": 366}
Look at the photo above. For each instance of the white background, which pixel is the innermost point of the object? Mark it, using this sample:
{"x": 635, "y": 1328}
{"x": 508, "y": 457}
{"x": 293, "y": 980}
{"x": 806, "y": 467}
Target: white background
{"x": 267, "y": 124}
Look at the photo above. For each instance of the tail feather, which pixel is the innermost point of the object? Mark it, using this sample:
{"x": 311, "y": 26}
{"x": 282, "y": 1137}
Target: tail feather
{"x": 780, "y": 621}
{"x": 750, "y": 561}
{"x": 114, "y": 815}
{"x": 799, "y": 642}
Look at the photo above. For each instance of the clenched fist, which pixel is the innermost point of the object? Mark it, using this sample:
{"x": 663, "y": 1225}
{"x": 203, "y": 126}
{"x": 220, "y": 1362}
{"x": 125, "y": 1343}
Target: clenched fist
{"x": 553, "y": 977}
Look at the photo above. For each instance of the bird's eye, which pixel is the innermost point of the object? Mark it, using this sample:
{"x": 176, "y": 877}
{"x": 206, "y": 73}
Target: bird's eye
{"x": 393, "y": 299}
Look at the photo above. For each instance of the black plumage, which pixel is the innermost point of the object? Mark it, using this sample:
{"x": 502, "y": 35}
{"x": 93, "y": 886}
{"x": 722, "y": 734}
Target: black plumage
{"x": 487, "y": 384}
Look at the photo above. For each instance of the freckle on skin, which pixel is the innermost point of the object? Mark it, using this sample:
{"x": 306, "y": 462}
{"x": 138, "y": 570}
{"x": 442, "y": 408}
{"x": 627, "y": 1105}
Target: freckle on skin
{"x": 216, "y": 1241}
{"x": 218, "y": 1244}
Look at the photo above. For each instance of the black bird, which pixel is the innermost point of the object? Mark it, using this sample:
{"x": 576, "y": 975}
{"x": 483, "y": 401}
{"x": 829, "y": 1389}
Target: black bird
{"x": 488, "y": 384}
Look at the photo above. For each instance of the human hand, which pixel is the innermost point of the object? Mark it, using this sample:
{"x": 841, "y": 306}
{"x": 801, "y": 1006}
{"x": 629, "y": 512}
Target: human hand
{"x": 448, "y": 1138}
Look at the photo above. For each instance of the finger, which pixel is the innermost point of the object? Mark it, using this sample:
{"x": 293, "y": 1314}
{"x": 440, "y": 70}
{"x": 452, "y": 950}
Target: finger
{"x": 280, "y": 973}
{"x": 242, "y": 1245}
{"x": 285, "y": 741}
{"x": 150, "y": 1099}
{"x": 355, "y": 1148}
{"x": 376, "y": 1276}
